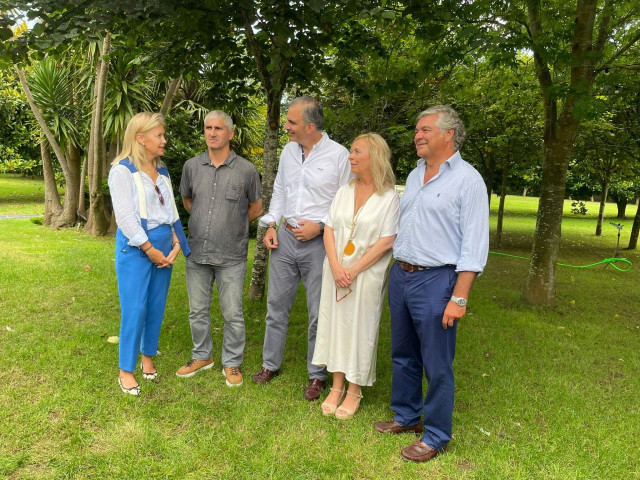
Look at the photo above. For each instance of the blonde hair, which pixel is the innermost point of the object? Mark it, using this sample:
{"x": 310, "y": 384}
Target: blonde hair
{"x": 380, "y": 155}
{"x": 139, "y": 124}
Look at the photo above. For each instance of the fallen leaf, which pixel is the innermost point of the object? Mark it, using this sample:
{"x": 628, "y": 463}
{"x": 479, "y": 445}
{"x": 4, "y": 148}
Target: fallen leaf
{"x": 9, "y": 329}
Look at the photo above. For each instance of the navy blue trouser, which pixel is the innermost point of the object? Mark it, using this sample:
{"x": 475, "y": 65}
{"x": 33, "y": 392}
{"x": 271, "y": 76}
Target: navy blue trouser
{"x": 142, "y": 288}
{"x": 418, "y": 342}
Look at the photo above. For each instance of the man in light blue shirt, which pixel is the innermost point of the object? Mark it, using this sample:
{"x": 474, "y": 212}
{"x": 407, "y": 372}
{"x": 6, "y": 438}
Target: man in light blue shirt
{"x": 441, "y": 247}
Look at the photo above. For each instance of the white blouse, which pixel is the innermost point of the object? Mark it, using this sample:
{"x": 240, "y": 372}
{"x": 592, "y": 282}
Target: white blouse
{"x": 124, "y": 197}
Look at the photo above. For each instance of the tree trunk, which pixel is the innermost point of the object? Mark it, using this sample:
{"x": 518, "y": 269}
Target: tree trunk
{"x": 524, "y": 192}
{"x": 603, "y": 202}
{"x": 170, "y": 95}
{"x": 540, "y": 286}
{"x": 82, "y": 207}
{"x": 559, "y": 135}
{"x": 488, "y": 177}
{"x": 97, "y": 222}
{"x": 270, "y": 161}
{"x": 503, "y": 194}
{"x": 621, "y": 203}
{"x": 113, "y": 151}
{"x": 68, "y": 216}
{"x": 52, "y": 204}
{"x": 635, "y": 229}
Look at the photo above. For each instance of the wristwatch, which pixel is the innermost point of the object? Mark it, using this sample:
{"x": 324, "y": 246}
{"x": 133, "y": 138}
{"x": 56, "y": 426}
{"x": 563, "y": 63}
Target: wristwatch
{"x": 461, "y": 302}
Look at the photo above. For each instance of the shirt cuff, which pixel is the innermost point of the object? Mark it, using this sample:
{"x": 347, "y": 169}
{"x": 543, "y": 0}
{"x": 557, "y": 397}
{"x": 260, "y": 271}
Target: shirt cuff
{"x": 476, "y": 268}
{"x": 138, "y": 239}
{"x": 265, "y": 220}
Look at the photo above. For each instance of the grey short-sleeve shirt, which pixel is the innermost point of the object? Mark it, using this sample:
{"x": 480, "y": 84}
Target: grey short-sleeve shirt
{"x": 219, "y": 221}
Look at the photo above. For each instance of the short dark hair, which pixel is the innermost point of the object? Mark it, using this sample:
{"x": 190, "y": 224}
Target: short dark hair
{"x": 311, "y": 111}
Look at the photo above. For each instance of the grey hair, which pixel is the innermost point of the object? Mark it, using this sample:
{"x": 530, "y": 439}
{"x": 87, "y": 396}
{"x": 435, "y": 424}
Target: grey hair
{"x": 448, "y": 119}
{"x": 220, "y": 115}
{"x": 311, "y": 111}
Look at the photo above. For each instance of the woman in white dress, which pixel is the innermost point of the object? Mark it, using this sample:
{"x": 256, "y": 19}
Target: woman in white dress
{"x": 358, "y": 237}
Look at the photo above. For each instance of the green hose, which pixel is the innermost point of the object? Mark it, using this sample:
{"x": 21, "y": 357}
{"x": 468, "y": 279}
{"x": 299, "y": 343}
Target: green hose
{"x": 610, "y": 261}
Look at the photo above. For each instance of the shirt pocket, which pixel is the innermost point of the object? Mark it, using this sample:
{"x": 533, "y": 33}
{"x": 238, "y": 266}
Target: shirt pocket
{"x": 233, "y": 193}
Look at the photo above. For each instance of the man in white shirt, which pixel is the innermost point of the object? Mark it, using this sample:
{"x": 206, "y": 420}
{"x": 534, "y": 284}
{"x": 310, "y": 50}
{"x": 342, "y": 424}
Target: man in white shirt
{"x": 311, "y": 170}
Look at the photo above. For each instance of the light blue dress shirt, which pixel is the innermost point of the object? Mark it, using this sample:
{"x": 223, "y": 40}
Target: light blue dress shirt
{"x": 446, "y": 220}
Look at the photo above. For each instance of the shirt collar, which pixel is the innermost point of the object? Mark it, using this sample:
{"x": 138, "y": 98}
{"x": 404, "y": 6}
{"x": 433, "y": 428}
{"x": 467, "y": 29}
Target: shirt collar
{"x": 323, "y": 140}
{"x": 452, "y": 161}
{"x": 229, "y": 162}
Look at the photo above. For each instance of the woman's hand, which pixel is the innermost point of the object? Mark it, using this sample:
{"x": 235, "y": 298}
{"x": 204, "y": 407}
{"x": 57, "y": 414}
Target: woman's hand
{"x": 173, "y": 253}
{"x": 341, "y": 276}
{"x": 351, "y": 274}
{"x": 157, "y": 258}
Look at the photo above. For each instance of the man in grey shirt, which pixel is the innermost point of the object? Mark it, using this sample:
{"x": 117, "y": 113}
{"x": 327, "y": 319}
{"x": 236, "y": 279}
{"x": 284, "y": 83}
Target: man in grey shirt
{"x": 223, "y": 193}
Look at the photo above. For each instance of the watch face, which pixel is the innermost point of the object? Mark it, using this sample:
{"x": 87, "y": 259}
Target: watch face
{"x": 461, "y": 302}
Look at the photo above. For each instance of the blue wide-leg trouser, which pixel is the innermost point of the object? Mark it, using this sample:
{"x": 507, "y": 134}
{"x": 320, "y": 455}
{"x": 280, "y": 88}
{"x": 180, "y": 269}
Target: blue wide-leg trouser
{"x": 142, "y": 288}
{"x": 419, "y": 343}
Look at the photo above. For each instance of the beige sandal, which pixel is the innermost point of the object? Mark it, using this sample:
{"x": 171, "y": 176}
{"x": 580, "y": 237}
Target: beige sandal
{"x": 332, "y": 407}
{"x": 348, "y": 413}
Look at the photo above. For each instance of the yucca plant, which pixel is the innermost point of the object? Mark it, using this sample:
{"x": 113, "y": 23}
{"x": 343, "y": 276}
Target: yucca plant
{"x": 58, "y": 97}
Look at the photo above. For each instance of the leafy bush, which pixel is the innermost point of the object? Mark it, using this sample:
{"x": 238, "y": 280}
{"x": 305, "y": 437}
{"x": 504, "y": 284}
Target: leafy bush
{"x": 578, "y": 208}
{"x": 19, "y": 150}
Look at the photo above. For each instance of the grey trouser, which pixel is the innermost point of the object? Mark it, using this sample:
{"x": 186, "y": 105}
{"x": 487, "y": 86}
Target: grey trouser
{"x": 291, "y": 261}
{"x": 230, "y": 282}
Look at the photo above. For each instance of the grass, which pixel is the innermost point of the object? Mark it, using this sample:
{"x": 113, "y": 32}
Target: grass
{"x": 21, "y": 196}
{"x": 541, "y": 393}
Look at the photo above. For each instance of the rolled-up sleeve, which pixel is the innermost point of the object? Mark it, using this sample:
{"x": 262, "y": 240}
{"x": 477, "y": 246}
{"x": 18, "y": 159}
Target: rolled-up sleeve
{"x": 474, "y": 226}
{"x": 276, "y": 206}
{"x": 124, "y": 200}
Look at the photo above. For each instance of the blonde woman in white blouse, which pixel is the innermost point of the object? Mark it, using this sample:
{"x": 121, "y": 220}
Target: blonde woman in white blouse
{"x": 148, "y": 239}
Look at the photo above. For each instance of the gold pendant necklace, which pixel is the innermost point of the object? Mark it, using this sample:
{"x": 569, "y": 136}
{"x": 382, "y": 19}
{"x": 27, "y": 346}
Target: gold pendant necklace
{"x": 350, "y": 247}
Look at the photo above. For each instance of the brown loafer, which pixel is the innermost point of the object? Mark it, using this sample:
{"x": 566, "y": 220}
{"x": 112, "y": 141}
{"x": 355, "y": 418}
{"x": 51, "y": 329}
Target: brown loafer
{"x": 312, "y": 392}
{"x": 419, "y": 452}
{"x": 265, "y": 375}
{"x": 394, "y": 427}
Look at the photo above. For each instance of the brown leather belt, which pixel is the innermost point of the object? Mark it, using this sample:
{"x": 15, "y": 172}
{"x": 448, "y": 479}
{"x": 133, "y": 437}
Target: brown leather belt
{"x": 287, "y": 226}
{"x": 407, "y": 267}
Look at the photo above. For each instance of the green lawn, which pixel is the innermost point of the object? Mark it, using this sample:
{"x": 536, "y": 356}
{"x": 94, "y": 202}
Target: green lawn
{"x": 541, "y": 393}
{"x": 21, "y": 196}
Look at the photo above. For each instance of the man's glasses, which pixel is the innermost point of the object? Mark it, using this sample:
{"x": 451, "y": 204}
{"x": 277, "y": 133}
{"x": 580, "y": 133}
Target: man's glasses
{"x": 159, "y": 195}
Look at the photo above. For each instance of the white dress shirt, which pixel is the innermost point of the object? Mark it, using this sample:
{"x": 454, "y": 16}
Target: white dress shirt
{"x": 305, "y": 190}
